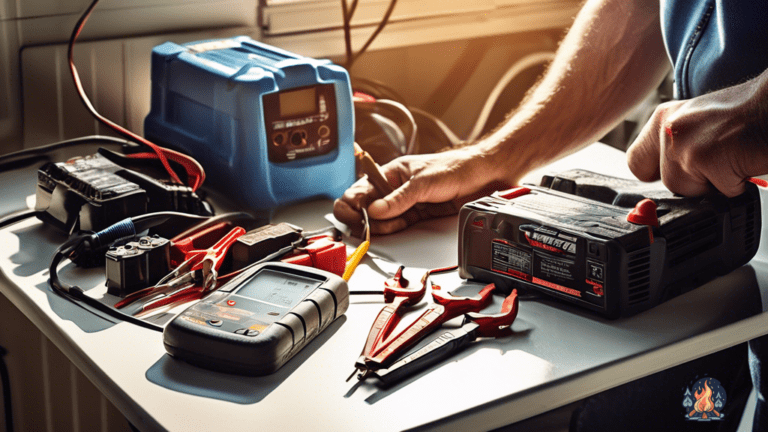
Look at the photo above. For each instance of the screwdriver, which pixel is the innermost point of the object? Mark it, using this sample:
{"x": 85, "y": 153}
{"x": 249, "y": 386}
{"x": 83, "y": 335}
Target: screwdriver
{"x": 373, "y": 171}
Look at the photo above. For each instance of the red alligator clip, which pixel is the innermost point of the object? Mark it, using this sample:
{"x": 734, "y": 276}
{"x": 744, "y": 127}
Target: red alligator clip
{"x": 203, "y": 239}
{"x": 321, "y": 252}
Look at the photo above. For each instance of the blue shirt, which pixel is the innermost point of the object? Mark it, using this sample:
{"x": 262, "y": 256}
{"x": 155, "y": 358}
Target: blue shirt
{"x": 714, "y": 44}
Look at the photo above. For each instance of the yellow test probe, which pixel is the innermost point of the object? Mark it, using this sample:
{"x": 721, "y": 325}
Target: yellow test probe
{"x": 355, "y": 257}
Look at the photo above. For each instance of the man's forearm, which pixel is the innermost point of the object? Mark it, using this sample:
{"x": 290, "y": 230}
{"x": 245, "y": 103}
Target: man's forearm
{"x": 611, "y": 58}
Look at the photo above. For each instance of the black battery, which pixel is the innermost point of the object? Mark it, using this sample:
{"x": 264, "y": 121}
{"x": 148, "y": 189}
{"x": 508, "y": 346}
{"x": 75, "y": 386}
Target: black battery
{"x": 570, "y": 238}
{"x": 137, "y": 265}
{"x": 92, "y": 192}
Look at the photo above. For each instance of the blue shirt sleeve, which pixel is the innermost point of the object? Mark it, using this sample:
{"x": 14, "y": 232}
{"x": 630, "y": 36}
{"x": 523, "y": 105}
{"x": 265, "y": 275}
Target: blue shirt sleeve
{"x": 714, "y": 44}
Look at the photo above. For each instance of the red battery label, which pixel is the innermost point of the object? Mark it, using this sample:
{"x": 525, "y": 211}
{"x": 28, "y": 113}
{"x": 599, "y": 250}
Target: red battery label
{"x": 552, "y": 271}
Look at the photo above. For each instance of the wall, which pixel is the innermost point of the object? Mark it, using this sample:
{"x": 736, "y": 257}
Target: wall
{"x": 40, "y": 106}
{"x": 48, "y": 392}
{"x": 424, "y": 74}
{"x": 26, "y": 23}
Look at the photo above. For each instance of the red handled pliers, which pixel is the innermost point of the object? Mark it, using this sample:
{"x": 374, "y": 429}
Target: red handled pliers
{"x": 475, "y": 325}
{"x": 398, "y": 296}
{"x": 191, "y": 280}
{"x": 447, "y": 307}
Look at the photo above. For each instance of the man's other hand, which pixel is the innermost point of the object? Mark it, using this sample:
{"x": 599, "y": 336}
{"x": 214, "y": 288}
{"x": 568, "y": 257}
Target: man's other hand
{"x": 719, "y": 139}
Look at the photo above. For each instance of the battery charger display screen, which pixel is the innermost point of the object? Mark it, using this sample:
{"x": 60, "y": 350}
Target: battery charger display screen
{"x": 301, "y": 123}
{"x": 298, "y": 102}
{"x": 276, "y": 288}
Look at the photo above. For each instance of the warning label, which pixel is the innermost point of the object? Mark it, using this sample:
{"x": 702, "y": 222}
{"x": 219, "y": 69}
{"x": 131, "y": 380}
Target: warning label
{"x": 556, "y": 269}
{"x": 507, "y": 257}
{"x": 536, "y": 267}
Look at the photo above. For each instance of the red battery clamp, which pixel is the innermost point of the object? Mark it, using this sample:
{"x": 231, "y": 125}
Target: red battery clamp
{"x": 322, "y": 253}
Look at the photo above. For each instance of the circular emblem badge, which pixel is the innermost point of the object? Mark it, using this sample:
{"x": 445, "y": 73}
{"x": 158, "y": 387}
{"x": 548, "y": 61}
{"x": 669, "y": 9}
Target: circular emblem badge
{"x": 705, "y": 400}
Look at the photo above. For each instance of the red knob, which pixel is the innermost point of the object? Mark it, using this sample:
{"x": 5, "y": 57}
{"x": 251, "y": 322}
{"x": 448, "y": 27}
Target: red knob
{"x": 513, "y": 193}
{"x": 644, "y": 213}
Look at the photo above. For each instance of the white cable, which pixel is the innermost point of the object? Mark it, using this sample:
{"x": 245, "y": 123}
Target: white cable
{"x": 452, "y": 138}
{"x": 408, "y": 149}
{"x": 512, "y": 73}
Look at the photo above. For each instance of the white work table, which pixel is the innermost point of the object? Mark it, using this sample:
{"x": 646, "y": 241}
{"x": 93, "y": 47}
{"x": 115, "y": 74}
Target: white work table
{"x": 558, "y": 354}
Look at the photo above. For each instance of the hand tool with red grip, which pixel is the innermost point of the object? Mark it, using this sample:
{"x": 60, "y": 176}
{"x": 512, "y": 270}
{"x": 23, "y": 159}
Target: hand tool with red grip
{"x": 195, "y": 276}
{"x": 398, "y": 296}
{"x": 475, "y": 325}
{"x": 447, "y": 308}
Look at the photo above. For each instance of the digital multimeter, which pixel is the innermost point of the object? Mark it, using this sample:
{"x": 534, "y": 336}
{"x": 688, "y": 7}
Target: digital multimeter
{"x": 256, "y": 322}
{"x": 269, "y": 126}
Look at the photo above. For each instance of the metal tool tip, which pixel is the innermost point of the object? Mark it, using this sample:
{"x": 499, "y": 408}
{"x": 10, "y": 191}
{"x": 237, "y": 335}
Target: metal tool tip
{"x": 351, "y": 375}
{"x": 363, "y": 376}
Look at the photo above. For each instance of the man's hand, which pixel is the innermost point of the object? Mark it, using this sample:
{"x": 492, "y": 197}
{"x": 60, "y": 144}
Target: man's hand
{"x": 719, "y": 139}
{"x": 426, "y": 186}
{"x": 612, "y": 56}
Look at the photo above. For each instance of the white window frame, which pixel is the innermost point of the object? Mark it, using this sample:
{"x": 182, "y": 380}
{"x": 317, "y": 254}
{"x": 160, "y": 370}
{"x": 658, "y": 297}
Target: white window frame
{"x": 314, "y": 27}
{"x": 280, "y": 17}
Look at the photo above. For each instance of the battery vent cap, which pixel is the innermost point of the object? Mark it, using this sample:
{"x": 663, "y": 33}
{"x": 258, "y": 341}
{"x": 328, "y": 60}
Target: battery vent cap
{"x": 644, "y": 213}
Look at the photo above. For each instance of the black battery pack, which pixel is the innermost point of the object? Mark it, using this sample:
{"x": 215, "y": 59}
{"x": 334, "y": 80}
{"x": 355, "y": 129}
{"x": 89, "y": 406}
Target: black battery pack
{"x": 137, "y": 265}
{"x": 258, "y": 243}
{"x": 570, "y": 238}
{"x": 92, "y": 193}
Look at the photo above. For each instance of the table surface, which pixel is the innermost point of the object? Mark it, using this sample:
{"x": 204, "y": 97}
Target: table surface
{"x": 557, "y": 354}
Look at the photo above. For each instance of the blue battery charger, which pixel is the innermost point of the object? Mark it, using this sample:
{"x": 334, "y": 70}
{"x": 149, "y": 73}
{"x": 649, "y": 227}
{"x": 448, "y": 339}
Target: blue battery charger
{"x": 268, "y": 126}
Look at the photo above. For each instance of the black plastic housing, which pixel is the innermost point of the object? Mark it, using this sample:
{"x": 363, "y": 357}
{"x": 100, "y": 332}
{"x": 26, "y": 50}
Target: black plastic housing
{"x": 137, "y": 265}
{"x": 569, "y": 238}
{"x": 241, "y": 334}
{"x": 92, "y": 193}
{"x": 260, "y": 242}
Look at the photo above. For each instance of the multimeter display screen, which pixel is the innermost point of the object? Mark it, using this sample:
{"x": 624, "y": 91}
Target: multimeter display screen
{"x": 298, "y": 102}
{"x": 279, "y": 289}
